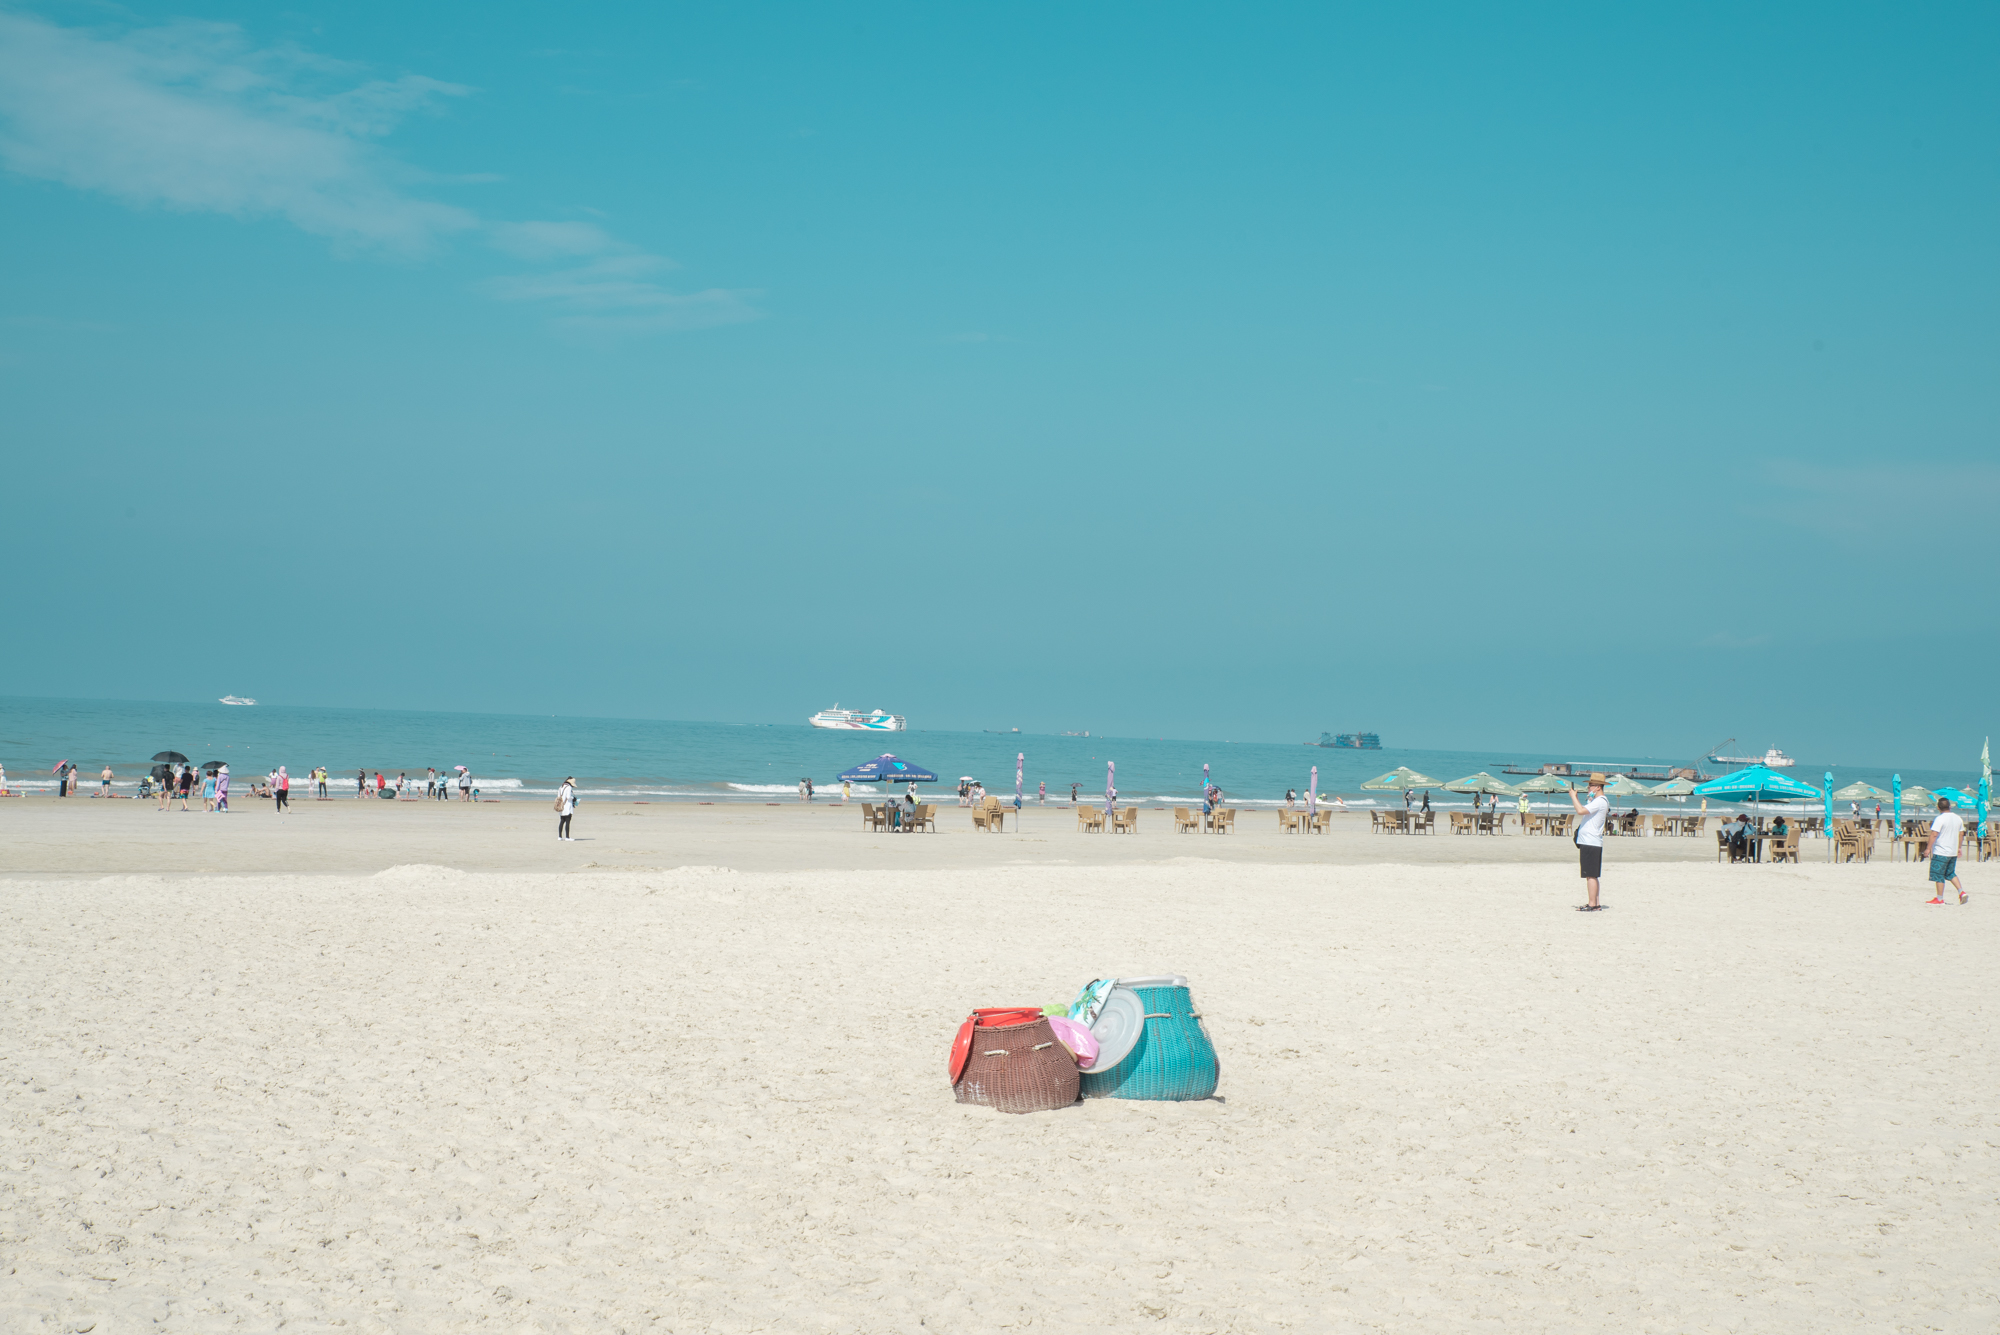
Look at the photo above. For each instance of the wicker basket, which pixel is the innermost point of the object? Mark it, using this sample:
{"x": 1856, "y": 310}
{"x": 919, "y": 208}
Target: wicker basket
{"x": 1173, "y": 1059}
{"x": 1018, "y": 1068}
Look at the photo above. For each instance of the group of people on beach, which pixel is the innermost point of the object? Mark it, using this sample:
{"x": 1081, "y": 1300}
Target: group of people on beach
{"x": 437, "y": 785}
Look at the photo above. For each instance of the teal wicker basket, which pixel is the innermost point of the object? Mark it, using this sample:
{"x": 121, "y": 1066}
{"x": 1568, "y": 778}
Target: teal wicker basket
{"x": 1172, "y": 1061}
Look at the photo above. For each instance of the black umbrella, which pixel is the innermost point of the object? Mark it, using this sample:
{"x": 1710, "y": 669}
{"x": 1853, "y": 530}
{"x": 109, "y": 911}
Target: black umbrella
{"x": 210, "y": 766}
{"x": 172, "y": 758}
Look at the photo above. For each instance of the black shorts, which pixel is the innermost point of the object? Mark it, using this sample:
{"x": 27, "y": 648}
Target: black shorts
{"x": 1591, "y": 858}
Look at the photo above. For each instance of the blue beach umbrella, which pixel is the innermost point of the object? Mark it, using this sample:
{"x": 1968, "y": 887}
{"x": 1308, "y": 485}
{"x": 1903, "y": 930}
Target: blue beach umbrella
{"x": 1828, "y": 827}
{"x": 888, "y": 769}
{"x": 1758, "y": 783}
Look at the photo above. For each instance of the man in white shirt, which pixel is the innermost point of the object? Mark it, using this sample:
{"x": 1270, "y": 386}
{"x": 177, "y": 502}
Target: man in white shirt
{"x": 1945, "y": 832}
{"x": 1590, "y": 838}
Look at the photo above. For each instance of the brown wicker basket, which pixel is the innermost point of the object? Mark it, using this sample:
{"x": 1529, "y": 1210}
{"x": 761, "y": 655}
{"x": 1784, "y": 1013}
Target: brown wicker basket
{"x": 1018, "y": 1068}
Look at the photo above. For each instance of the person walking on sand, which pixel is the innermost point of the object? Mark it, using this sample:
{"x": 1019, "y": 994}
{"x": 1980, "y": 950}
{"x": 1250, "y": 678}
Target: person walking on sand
{"x": 186, "y": 786}
{"x": 1590, "y": 838}
{"x": 281, "y": 791}
{"x": 1521, "y": 808}
{"x": 846, "y": 790}
{"x": 1946, "y": 830}
{"x": 565, "y": 808}
{"x": 1072, "y": 793}
{"x": 465, "y": 785}
{"x": 360, "y": 784}
{"x": 164, "y": 787}
{"x": 1042, "y": 793}
{"x": 208, "y": 791}
{"x": 222, "y": 790}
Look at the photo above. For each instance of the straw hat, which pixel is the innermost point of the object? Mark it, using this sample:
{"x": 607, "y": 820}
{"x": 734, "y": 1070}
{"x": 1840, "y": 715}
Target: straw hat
{"x": 1596, "y": 781}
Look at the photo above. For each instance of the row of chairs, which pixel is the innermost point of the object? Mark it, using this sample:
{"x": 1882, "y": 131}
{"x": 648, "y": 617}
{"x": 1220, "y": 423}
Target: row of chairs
{"x": 875, "y": 816}
{"x": 1402, "y": 822}
{"x": 1090, "y": 820}
{"x": 1305, "y": 822}
{"x": 1222, "y": 820}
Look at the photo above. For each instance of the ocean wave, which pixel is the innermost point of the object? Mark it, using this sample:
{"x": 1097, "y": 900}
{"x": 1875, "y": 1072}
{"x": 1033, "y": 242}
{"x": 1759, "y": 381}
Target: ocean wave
{"x": 791, "y": 788}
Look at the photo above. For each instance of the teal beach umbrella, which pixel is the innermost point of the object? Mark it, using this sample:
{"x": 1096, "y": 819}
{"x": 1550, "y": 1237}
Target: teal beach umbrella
{"x": 1758, "y": 783}
{"x": 1896, "y": 783}
{"x": 1828, "y": 827}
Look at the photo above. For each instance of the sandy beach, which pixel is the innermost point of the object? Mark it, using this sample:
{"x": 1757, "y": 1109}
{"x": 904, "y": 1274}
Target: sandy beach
{"x": 415, "y": 1069}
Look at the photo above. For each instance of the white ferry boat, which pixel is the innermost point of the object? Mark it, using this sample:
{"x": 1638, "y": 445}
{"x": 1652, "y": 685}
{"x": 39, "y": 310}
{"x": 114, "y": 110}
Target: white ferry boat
{"x": 854, "y": 720}
{"x": 1773, "y": 758}
{"x": 235, "y": 700}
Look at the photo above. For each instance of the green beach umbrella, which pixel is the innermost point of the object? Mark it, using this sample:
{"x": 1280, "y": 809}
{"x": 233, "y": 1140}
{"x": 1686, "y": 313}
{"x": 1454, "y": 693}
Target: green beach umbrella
{"x": 1399, "y": 778}
{"x": 1916, "y": 795}
{"x": 1545, "y": 783}
{"x": 1482, "y": 782}
{"x": 1673, "y": 788}
{"x": 1861, "y": 792}
{"x": 1618, "y": 785}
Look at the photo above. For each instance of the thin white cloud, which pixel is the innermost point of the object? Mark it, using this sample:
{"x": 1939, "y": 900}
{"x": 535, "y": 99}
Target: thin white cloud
{"x": 196, "y": 118}
{"x": 1916, "y": 506}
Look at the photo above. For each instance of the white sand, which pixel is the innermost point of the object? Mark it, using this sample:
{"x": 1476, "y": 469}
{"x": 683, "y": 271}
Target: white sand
{"x": 1752, "y": 1099}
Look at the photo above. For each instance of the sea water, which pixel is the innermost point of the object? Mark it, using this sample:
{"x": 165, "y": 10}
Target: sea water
{"x": 514, "y": 755}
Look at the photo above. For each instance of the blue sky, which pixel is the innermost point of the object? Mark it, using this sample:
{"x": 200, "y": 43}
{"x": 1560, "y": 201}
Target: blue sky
{"x": 1485, "y": 376}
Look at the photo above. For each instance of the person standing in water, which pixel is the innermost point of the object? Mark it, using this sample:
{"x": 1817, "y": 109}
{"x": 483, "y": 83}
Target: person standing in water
{"x": 565, "y": 808}
{"x": 104, "y": 782}
{"x": 1590, "y": 838}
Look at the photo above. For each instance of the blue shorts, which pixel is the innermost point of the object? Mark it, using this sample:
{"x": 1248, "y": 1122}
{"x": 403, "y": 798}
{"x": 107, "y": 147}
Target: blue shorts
{"x": 1943, "y": 869}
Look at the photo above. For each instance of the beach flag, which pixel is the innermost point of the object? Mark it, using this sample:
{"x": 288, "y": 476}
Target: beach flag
{"x": 1110, "y": 788}
{"x": 1985, "y": 784}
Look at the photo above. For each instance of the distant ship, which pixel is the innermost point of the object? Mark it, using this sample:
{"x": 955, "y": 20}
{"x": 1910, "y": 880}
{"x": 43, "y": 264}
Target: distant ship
{"x": 1774, "y": 758}
{"x": 1084, "y": 733}
{"x": 853, "y": 720}
{"x": 1359, "y": 741}
{"x": 243, "y": 700}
